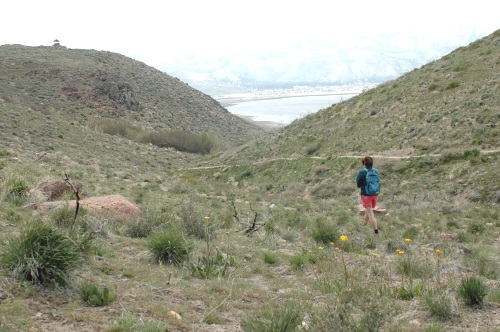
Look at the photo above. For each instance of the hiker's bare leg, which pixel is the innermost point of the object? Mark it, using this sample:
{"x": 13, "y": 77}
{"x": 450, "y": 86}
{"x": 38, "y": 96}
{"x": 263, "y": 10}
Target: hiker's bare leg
{"x": 366, "y": 217}
{"x": 371, "y": 217}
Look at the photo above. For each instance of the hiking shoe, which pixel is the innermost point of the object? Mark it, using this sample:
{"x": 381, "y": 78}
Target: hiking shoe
{"x": 376, "y": 231}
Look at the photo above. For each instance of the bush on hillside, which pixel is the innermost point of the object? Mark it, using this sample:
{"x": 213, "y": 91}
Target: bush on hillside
{"x": 472, "y": 291}
{"x": 96, "y": 296}
{"x": 177, "y": 139}
{"x": 180, "y": 140}
{"x": 325, "y": 233}
{"x": 168, "y": 247}
{"x": 119, "y": 128}
{"x": 16, "y": 191}
{"x": 41, "y": 255}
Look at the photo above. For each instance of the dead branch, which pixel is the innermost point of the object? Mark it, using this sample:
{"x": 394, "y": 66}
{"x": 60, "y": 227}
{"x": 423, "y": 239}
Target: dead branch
{"x": 75, "y": 190}
{"x": 248, "y": 228}
{"x": 235, "y": 215}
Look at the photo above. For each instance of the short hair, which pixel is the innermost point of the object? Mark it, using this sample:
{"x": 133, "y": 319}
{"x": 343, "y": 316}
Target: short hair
{"x": 367, "y": 161}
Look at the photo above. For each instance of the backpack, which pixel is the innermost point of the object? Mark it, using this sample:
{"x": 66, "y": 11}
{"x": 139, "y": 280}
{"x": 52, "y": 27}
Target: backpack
{"x": 372, "y": 186}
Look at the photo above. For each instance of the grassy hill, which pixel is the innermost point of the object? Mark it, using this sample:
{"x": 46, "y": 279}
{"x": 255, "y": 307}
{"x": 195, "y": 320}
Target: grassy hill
{"x": 249, "y": 239}
{"x": 447, "y": 105}
{"x": 86, "y": 85}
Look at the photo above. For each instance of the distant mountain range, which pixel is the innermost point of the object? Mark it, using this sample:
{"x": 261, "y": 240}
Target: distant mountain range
{"x": 336, "y": 62}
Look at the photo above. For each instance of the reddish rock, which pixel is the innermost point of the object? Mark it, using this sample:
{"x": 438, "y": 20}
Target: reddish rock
{"x": 56, "y": 188}
{"x": 113, "y": 206}
{"x": 377, "y": 209}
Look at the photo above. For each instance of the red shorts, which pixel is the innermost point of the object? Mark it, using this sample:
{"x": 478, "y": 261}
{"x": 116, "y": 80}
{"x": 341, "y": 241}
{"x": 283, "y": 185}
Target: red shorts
{"x": 369, "y": 201}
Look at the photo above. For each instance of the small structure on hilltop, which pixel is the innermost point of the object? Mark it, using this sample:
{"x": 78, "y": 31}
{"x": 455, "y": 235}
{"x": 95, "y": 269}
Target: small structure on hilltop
{"x": 56, "y": 42}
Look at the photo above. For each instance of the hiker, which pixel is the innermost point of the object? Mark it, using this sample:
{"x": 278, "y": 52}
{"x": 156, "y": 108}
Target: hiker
{"x": 368, "y": 181}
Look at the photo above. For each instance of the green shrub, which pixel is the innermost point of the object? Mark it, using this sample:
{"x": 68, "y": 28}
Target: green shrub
{"x": 472, "y": 291}
{"x": 17, "y": 191}
{"x": 245, "y": 174}
{"x": 468, "y": 154}
{"x": 119, "y": 128}
{"x": 312, "y": 149}
{"x": 177, "y": 139}
{"x": 325, "y": 233}
{"x": 206, "y": 267}
{"x": 168, "y": 247}
{"x": 433, "y": 87}
{"x": 270, "y": 258}
{"x": 96, "y": 296}
{"x": 405, "y": 293}
{"x": 41, "y": 255}
{"x": 476, "y": 227}
{"x": 297, "y": 261}
{"x": 438, "y": 305}
{"x": 181, "y": 141}
{"x": 17, "y": 188}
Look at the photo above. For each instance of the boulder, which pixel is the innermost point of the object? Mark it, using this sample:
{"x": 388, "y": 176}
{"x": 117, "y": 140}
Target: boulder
{"x": 377, "y": 209}
{"x": 56, "y": 188}
{"x": 114, "y": 206}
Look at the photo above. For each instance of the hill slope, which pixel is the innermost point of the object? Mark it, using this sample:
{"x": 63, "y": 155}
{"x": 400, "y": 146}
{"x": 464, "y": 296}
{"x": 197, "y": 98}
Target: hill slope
{"x": 84, "y": 84}
{"x": 293, "y": 268}
{"x": 451, "y": 103}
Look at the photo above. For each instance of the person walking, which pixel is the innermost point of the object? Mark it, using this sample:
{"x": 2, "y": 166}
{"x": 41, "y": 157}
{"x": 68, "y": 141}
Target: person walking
{"x": 369, "y": 182}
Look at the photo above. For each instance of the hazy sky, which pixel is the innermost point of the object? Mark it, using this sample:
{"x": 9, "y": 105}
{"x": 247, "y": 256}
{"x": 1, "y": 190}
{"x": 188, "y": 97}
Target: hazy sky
{"x": 154, "y": 30}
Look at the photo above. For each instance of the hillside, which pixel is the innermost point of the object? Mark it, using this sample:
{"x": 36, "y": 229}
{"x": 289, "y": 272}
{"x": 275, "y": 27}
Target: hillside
{"x": 86, "y": 84}
{"x": 266, "y": 236}
{"x": 449, "y": 104}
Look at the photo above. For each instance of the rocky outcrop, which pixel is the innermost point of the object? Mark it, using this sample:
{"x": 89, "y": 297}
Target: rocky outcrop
{"x": 121, "y": 93}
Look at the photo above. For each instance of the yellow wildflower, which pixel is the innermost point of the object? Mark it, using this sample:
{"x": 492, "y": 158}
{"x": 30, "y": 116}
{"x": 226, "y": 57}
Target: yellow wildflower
{"x": 309, "y": 251}
{"x": 320, "y": 248}
{"x": 337, "y": 249}
{"x": 206, "y": 218}
{"x": 439, "y": 252}
{"x": 344, "y": 238}
{"x": 407, "y": 240}
{"x": 332, "y": 244}
{"x": 399, "y": 252}
{"x": 426, "y": 252}
{"x": 374, "y": 254}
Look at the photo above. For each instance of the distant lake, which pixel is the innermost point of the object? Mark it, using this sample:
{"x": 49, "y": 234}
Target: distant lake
{"x": 285, "y": 110}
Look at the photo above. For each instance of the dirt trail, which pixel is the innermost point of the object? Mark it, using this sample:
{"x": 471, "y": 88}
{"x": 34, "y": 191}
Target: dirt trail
{"x": 323, "y": 158}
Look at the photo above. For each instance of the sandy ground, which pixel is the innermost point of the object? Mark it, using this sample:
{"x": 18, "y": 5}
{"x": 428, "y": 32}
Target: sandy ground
{"x": 267, "y": 125}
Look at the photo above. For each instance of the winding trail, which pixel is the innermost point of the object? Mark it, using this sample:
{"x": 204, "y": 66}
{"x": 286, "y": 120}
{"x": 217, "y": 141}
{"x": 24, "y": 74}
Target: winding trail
{"x": 323, "y": 158}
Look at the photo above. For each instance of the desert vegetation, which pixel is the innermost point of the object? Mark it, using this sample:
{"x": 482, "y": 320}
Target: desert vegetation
{"x": 177, "y": 139}
{"x": 262, "y": 236}
{"x": 312, "y": 264}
